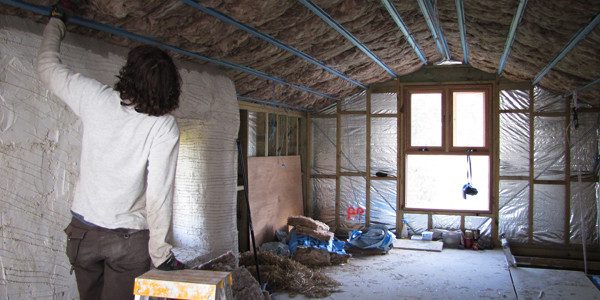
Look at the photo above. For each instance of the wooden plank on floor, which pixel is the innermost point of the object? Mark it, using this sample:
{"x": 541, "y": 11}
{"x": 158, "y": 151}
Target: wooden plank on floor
{"x": 435, "y": 246}
{"x": 533, "y": 283}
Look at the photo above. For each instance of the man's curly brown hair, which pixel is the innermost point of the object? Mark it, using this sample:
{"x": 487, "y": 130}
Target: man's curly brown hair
{"x": 149, "y": 81}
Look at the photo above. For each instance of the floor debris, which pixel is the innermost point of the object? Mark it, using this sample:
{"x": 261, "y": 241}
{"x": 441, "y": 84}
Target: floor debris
{"x": 286, "y": 275}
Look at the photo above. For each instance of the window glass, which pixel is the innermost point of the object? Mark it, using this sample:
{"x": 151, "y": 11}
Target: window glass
{"x": 426, "y": 119}
{"x": 468, "y": 119}
{"x": 436, "y": 182}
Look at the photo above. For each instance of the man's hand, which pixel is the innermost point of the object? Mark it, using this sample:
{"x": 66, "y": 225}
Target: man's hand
{"x": 171, "y": 264}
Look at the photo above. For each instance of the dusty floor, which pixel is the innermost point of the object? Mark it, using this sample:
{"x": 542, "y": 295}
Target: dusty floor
{"x": 451, "y": 274}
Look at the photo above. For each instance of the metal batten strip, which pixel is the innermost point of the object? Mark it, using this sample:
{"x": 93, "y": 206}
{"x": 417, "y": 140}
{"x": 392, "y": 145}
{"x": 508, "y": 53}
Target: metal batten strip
{"x": 409, "y": 38}
{"x": 44, "y": 10}
{"x": 589, "y": 85}
{"x": 575, "y": 39}
{"x": 271, "y": 103}
{"x": 511, "y": 35}
{"x": 340, "y": 29}
{"x": 460, "y": 12}
{"x": 229, "y": 20}
{"x": 436, "y": 32}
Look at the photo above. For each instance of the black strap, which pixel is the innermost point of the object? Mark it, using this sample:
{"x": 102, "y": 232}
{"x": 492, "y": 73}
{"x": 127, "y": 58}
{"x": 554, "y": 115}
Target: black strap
{"x": 469, "y": 170}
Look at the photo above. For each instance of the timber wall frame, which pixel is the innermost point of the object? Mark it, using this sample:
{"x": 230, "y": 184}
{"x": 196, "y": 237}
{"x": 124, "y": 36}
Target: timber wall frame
{"x": 301, "y": 148}
{"x": 450, "y": 75}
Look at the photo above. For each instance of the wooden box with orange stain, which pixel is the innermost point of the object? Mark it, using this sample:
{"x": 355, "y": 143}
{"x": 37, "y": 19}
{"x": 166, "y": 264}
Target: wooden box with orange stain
{"x": 183, "y": 284}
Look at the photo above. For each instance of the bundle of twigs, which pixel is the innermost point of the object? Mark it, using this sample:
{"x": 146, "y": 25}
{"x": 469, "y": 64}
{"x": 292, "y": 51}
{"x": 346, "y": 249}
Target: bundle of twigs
{"x": 285, "y": 275}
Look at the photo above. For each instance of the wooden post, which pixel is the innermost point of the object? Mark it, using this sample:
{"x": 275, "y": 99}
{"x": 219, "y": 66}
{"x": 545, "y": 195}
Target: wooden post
{"x": 399, "y": 158}
{"x": 531, "y": 163}
{"x": 368, "y": 159}
{"x": 495, "y": 157}
{"x": 338, "y": 160}
{"x": 307, "y": 157}
{"x": 567, "y": 235}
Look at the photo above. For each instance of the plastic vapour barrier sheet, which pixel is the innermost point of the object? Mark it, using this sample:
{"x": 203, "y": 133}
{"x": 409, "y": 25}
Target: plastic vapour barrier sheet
{"x": 383, "y": 202}
{"x": 514, "y": 210}
{"x": 323, "y": 147}
{"x": 384, "y": 146}
{"x": 514, "y": 99}
{"x": 384, "y": 103}
{"x": 292, "y": 136}
{"x": 353, "y": 207}
{"x": 356, "y": 102}
{"x": 252, "y": 136}
{"x": 484, "y": 225}
{"x": 418, "y": 222}
{"x": 514, "y": 144}
{"x": 546, "y": 101}
{"x": 281, "y": 135}
{"x": 548, "y": 214}
{"x": 584, "y": 143}
{"x": 323, "y": 200}
{"x": 446, "y": 222}
{"x": 583, "y": 200}
{"x": 354, "y": 150}
{"x": 272, "y": 134}
{"x": 549, "y": 148}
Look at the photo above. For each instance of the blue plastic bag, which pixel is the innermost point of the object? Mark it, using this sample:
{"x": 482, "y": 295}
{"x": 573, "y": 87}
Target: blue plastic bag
{"x": 374, "y": 237}
{"x": 301, "y": 240}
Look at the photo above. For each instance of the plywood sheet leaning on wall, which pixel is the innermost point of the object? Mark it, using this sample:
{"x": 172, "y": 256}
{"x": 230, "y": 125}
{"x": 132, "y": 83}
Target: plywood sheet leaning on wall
{"x": 275, "y": 193}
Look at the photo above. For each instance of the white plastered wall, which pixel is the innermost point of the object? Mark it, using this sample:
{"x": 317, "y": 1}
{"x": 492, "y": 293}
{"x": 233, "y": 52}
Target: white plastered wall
{"x": 40, "y": 148}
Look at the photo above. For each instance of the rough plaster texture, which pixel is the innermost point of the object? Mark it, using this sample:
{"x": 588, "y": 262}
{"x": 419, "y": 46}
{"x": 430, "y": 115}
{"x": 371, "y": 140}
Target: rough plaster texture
{"x": 39, "y": 153}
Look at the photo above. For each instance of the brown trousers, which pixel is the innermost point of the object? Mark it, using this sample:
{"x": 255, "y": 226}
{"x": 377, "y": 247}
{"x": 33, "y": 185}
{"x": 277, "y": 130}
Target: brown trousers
{"x": 106, "y": 261}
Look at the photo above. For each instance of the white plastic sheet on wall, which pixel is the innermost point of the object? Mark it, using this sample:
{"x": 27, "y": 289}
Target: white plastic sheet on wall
{"x": 446, "y": 222}
{"x": 514, "y": 210}
{"x": 514, "y": 99}
{"x": 546, "y": 101}
{"x": 252, "y": 136}
{"x": 584, "y": 143}
{"x": 484, "y": 225}
{"x": 323, "y": 202}
{"x": 418, "y": 222}
{"x": 383, "y": 202}
{"x": 353, "y": 207}
{"x": 514, "y": 144}
{"x": 384, "y": 103}
{"x": 548, "y": 214}
{"x": 384, "y": 145}
{"x": 549, "y": 148}
{"x": 583, "y": 200}
{"x": 353, "y": 144}
{"x": 357, "y": 102}
{"x": 40, "y": 144}
{"x": 323, "y": 148}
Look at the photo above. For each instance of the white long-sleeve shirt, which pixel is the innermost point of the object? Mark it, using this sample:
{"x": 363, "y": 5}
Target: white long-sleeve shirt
{"x": 128, "y": 159}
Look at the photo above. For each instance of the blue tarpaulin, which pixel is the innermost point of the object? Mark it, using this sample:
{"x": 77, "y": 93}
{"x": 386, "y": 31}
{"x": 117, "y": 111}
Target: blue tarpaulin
{"x": 301, "y": 240}
{"x": 374, "y": 237}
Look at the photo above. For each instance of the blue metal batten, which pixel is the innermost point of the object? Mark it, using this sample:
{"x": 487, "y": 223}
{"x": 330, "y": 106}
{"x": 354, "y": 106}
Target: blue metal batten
{"x": 339, "y": 28}
{"x": 271, "y": 103}
{"x": 511, "y": 35}
{"x": 409, "y": 38}
{"x": 436, "y": 31}
{"x": 150, "y": 41}
{"x": 227, "y": 19}
{"x": 589, "y": 85}
{"x": 575, "y": 39}
{"x": 460, "y": 12}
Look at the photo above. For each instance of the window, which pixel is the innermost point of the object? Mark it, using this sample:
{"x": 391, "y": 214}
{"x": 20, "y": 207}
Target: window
{"x": 443, "y": 125}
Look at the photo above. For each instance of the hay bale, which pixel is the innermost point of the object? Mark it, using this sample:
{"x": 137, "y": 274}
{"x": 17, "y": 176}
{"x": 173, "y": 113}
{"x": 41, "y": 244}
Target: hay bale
{"x": 285, "y": 275}
{"x": 318, "y": 234}
{"x": 338, "y": 259}
{"x": 312, "y": 257}
{"x": 307, "y": 223}
{"x": 225, "y": 261}
{"x": 244, "y": 286}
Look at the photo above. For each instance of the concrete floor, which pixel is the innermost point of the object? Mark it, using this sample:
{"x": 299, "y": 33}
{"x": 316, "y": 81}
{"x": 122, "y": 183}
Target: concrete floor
{"x": 451, "y": 274}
